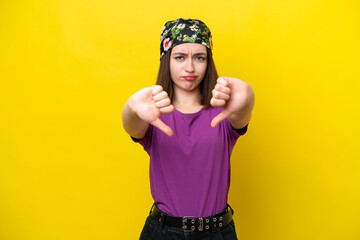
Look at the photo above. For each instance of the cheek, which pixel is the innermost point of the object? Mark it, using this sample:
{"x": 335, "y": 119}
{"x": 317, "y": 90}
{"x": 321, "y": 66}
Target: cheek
{"x": 176, "y": 69}
{"x": 203, "y": 69}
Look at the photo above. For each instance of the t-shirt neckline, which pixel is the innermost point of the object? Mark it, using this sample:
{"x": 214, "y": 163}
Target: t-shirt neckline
{"x": 189, "y": 114}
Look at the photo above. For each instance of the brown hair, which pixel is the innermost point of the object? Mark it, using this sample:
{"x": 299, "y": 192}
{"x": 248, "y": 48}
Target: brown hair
{"x": 206, "y": 85}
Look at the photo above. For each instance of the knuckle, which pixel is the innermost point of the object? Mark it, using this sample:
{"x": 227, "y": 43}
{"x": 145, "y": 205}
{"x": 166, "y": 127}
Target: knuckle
{"x": 164, "y": 94}
{"x": 160, "y": 95}
{"x": 166, "y": 101}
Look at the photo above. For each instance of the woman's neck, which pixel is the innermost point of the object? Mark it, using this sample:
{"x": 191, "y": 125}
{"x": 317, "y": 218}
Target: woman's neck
{"x": 187, "y": 101}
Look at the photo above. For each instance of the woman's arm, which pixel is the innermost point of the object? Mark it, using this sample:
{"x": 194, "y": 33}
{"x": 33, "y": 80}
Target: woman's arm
{"x": 237, "y": 98}
{"x": 242, "y": 116}
{"x": 133, "y": 125}
{"x": 145, "y": 107}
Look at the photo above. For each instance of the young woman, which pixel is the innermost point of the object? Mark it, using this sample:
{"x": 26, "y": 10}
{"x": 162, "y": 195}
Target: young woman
{"x": 188, "y": 124}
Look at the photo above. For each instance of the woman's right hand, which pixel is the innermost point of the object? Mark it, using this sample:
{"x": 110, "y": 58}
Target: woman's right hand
{"x": 149, "y": 104}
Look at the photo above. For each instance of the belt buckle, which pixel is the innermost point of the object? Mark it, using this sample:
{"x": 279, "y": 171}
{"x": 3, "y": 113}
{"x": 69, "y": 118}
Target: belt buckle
{"x": 184, "y": 221}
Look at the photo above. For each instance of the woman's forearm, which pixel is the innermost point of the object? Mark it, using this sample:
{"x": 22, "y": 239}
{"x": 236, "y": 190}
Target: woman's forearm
{"x": 241, "y": 118}
{"x": 133, "y": 125}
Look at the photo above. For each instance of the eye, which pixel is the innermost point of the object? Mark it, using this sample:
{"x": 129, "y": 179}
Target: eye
{"x": 178, "y": 57}
{"x": 201, "y": 58}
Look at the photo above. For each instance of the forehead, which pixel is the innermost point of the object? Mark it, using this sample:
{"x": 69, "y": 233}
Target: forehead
{"x": 189, "y": 47}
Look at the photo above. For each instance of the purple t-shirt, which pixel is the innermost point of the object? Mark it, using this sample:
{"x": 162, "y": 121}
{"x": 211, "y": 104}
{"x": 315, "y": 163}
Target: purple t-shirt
{"x": 190, "y": 171}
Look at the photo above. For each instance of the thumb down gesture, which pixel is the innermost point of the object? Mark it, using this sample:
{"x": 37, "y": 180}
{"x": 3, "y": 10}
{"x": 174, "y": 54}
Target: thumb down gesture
{"x": 237, "y": 99}
{"x": 149, "y": 104}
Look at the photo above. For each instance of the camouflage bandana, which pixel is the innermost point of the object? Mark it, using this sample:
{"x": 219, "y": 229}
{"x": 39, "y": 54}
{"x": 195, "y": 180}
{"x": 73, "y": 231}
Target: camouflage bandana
{"x": 184, "y": 30}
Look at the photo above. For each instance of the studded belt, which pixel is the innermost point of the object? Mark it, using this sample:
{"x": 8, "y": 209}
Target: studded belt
{"x": 192, "y": 224}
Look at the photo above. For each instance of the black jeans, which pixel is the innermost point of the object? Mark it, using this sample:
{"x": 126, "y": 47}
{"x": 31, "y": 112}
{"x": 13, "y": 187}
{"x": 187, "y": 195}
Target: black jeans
{"x": 154, "y": 231}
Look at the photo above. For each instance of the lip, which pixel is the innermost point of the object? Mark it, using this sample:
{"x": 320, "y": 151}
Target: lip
{"x": 189, "y": 78}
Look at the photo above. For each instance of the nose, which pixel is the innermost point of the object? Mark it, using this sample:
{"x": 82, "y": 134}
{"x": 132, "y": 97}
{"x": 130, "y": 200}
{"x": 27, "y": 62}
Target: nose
{"x": 190, "y": 65}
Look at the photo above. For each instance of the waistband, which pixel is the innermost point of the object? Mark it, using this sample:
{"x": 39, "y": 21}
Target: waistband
{"x": 192, "y": 224}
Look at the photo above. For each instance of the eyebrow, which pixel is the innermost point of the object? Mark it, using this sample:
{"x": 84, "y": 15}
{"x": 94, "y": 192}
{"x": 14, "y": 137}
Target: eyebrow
{"x": 181, "y": 53}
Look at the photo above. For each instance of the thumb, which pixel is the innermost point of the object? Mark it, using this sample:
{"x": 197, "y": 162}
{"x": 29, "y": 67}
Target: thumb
{"x": 220, "y": 117}
{"x": 162, "y": 126}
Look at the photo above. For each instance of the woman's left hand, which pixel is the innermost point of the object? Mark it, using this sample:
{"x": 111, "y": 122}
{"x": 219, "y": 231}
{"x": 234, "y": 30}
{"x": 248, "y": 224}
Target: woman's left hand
{"x": 237, "y": 99}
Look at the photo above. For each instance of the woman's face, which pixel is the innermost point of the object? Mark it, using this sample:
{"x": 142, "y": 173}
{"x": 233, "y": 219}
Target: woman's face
{"x": 188, "y": 62}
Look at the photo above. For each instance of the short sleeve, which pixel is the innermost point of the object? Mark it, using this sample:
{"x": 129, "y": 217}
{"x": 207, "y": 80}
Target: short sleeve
{"x": 241, "y": 131}
{"x": 146, "y": 140}
{"x": 234, "y": 133}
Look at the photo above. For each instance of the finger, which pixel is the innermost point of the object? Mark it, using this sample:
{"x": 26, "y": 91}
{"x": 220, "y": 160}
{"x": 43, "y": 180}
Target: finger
{"x": 220, "y": 117}
{"x": 223, "y": 81}
{"x": 217, "y": 102}
{"x": 156, "y": 89}
{"x": 167, "y": 109}
{"x": 163, "y": 127}
{"x": 159, "y": 96}
{"x": 220, "y": 95}
{"x": 162, "y": 103}
{"x": 221, "y": 88}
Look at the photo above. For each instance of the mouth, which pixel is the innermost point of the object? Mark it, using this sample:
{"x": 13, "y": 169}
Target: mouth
{"x": 189, "y": 78}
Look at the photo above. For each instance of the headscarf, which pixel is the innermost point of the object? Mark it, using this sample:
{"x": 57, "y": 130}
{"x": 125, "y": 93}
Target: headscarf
{"x": 184, "y": 30}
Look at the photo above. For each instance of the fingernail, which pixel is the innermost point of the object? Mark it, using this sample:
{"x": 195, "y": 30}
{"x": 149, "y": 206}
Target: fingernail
{"x": 155, "y": 89}
{"x": 223, "y": 81}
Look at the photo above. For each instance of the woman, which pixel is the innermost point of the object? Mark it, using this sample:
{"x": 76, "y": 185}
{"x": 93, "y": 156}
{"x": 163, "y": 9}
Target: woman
{"x": 189, "y": 123}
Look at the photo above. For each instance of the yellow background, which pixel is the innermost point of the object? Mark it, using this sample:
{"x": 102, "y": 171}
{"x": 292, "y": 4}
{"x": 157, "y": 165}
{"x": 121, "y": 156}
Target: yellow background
{"x": 69, "y": 171}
